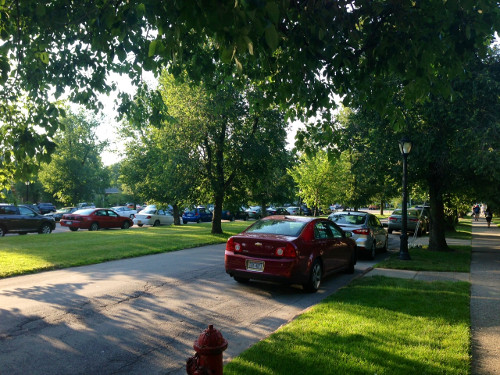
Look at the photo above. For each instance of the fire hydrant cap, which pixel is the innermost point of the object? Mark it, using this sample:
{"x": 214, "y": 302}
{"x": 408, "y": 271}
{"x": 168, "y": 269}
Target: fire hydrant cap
{"x": 210, "y": 342}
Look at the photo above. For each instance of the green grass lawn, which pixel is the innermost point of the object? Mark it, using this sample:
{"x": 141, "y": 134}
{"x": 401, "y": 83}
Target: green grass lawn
{"x": 34, "y": 253}
{"x": 376, "y": 325}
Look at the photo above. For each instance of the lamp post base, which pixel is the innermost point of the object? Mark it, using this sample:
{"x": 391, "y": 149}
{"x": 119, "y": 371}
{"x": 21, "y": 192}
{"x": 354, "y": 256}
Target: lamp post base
{"x": 403, "y": 248}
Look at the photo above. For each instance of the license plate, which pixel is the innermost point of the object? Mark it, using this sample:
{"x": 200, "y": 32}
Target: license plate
{"x": 255, "y": 265}
{"x": 139, "y": 221}
{"x": 68, "y": 222}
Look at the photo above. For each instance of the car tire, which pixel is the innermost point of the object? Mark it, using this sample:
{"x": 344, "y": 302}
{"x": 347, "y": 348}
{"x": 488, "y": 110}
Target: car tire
{"x": 241, "y": 280}
{"x": 184, "y": 222}
{"x": 94, "y": 226}
{"x": 314, "y": 281}
{"x": 373, "y": 251}
{"x": 2, "y": 232}
{"x": 140, "y": 225}
{"x": 198, "y": 221}
{"x": 125, "y": 225}
{"x": 45, "y": 229}
{"x": 350, "y": 268}
{"x": 131, "y": 217}
{"x": 73, "y": 229}
{"x": 156, "y": 223}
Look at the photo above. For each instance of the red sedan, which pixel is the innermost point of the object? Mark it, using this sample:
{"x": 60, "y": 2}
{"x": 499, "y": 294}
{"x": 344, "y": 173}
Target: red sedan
{"x": 94, "y": 219}
{"x": 291, "y": 249}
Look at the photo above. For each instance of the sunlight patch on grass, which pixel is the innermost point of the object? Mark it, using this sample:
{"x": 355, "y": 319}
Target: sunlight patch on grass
{"x": 374, "y": 326}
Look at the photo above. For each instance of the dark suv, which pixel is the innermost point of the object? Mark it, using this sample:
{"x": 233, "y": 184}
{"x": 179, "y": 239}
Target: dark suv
{"x": 22, "y": 220}
{"x": 46, "y": 208}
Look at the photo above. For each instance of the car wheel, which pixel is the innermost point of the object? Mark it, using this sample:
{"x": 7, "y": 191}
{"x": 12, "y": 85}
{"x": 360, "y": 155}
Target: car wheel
{"x": 314, "y": 281}
{"x": 125, "y": 225}
{"x": 94, "y": 226}
{"x": 241, "y": 280}
{"x": 73, "y": 229}
{"x": 184, "y": 222}
{"x": 198, "y": 220}
{"x": 352, "y": 263}
{"x": 373, "y": 250}
{"x": 156, "y": 223}
{"x": 2, "y": 232}
{"x": 140, "y": 225}
{"x": 245, "y": 218}
{"x": 131, "y": 217}
{"x": 45, "y": 229}
{"x": 23, "y": 233}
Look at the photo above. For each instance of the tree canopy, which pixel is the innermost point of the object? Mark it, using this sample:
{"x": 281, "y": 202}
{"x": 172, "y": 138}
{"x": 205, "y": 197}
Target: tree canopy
{"x": 299, "y": 52}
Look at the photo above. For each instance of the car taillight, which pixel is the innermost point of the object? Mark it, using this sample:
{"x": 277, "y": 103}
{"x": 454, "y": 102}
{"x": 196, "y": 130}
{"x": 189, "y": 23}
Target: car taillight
{"x": 392, "y": 218}
{"x": 148, "y": 217}
{"x": 364, "y": 232}
{"x": 287, "y": 251}
{"x": 414, "y": 220}
{"x": 233, "y": 246}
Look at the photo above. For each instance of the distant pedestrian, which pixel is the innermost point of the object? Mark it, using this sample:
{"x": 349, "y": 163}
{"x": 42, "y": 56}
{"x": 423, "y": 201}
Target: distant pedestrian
{"x": 476, "y": 210}
{"x": 489, "y": 215}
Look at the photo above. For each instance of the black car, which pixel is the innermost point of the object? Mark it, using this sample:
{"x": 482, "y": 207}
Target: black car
{"x": 59, "y": 213}
{"x": 22, "y": 220}
{"x": 45, "y": 208}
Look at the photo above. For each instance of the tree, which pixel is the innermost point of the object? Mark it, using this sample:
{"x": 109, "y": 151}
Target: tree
{"x": 298, "y": 53}
{"x": 76, "y": 172}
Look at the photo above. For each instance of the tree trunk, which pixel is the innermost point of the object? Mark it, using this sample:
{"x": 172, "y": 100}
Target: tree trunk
{"x": 437, "y": 238}
{"x": 263, "y": 208}
{"x": 382, "y": 203}
{"x": 217, "y": 214}
{"x": 177, "y": 216}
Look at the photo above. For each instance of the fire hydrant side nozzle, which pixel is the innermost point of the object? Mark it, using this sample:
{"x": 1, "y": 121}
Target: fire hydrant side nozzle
{"x": 208, "y": 358}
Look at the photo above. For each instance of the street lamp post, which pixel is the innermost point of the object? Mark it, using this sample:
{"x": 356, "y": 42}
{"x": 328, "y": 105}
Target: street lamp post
{"x": 27, "y": 190}
{"x": 405, "y": 145}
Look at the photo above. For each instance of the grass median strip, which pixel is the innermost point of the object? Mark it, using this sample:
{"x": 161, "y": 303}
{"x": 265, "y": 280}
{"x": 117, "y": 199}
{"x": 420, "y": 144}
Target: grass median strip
{"x": 376, "y": 325}
{"x": 34, "y": 253}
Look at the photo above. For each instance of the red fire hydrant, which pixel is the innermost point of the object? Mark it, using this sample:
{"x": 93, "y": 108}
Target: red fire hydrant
{"x": 208, "y": 357}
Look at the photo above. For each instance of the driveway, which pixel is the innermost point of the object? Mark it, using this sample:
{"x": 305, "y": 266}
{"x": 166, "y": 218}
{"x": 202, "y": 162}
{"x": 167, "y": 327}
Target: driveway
{"x": 140, "y": 315}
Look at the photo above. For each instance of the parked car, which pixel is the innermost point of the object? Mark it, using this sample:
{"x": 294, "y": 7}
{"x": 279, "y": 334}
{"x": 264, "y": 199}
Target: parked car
{"x": 276, "y": 211}
{"x": 295, "y": 250}
{"x": 293, "y": 210}
{"x": 415, "y": 221}
{"x": 228, "y": 215}
{"x": 94, "y": 219}
{"x": 85, "y": 205}
{"x": 45, "y": 208}
{"x": 59, "y": 213}
{"x": 22, "y": 220}
{"x": 153, "y": 216}
{"x": 196, "y": 215}
{"x": 366, "y": 229}
{"x": 124, "y": 211}
{"x": 241, "y": 214}
{"x": 254, "y": 212}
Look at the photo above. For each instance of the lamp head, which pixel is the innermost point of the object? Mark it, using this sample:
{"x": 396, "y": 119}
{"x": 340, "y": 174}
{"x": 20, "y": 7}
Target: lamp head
{"x": 405, "y": 145}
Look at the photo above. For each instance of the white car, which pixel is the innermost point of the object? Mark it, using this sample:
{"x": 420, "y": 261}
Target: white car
{"x": 124, "y": 211}
{"x": 154, "y": 217}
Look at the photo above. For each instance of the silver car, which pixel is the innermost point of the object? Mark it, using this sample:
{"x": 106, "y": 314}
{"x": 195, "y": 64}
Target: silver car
{"x": 416, "y": 221}
{"x": 366, "y": 229}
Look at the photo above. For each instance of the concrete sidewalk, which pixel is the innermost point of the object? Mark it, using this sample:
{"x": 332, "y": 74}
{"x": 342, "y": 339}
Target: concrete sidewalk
{"x": 485, "y": 293}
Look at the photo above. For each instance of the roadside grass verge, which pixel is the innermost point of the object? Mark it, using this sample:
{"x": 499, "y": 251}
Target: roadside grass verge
{"x": 376, "y": 325}
{"x": 463, "y": 230}
{"x": 457, "y": 260}
{"x": 34, "y": 253}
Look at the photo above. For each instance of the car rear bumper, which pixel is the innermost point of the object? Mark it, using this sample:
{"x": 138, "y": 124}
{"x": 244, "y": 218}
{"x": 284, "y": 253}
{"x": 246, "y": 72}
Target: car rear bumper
{"x": 284, "y": 270}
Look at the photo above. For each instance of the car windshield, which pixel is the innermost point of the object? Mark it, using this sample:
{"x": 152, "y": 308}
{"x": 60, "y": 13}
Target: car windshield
{"x": 84, "y": 212}
{"x": 348, "y": 219}
{"x": 282, "y": 227}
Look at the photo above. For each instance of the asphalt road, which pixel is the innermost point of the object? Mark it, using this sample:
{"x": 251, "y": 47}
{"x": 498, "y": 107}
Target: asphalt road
{"x": 140, "y": 315}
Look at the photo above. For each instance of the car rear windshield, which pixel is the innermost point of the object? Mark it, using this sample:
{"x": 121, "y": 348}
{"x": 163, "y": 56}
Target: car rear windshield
{"x": 409, "y": 212}
{"x": 85, "y": 212}
{"x": 349, "y": 219}
{"x": 281, "y": 227}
